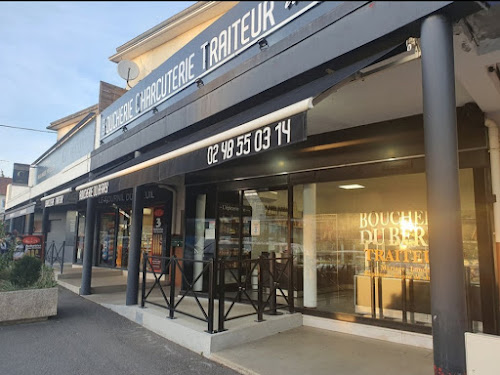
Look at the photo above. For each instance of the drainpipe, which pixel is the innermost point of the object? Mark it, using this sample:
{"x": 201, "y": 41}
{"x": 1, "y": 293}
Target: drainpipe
{"x": 495, "y": 182}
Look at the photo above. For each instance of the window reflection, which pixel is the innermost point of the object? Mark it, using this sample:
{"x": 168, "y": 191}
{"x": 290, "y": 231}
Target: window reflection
{"x": 362, "y": 246}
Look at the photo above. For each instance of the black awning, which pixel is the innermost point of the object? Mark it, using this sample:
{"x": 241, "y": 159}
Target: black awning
{"x": 21, "y": 211}
{"x": 190, "y": 162}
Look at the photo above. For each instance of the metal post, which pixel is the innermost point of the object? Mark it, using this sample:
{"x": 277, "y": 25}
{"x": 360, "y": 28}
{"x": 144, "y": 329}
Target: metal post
{"x": 291, "y": 289}
{"x": 45, "y": 227}
{"x": 143, "y": 287}
{"x": 134, "y": 253}
{"x": 380, "y": 298}
{"x": 412, "y": 301}
{"x": 173, "y": 266}
{"x": 31, "y": 224}
{"x": 468, "y": 299}
{"x": 272, "y": 283}
{"x": 448, "y": 309}
{"x": 62, "y": 259}
{"x": 260, "y": 302}
{"x": 403, "y": 294}
{"x": 211, "y": 296}
{"x": 372, "y": 289}
{"x": 88, "y": 248}
{"x": 221, "y": 295}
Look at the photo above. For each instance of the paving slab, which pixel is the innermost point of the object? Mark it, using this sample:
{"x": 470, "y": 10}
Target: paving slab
{"x": 307, "y": 350}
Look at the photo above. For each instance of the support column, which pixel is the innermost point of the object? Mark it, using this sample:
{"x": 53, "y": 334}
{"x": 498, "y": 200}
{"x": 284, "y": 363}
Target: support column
{"x": 88, "y": 250}
{"x": 448, "y": 308}
{"x": 199, "y": 240}
{"x": 309, "y": 235}
{"x": 45, "y": 228}
{"x": 31, "y": 223}
{"x": 134, "y": 255}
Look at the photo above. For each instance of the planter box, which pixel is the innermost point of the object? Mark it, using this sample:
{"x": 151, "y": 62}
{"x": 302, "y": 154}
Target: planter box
{"x": 28, "y": 305}
{"x": 482, "y": 353}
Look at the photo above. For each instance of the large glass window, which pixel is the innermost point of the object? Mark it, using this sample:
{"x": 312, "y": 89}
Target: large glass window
{"x": 362, "y": 246}
{"x": 107, "y": 238}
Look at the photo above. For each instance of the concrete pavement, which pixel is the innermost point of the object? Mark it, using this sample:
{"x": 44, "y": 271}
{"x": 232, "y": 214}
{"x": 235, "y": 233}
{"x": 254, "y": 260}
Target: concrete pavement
{"x": 86, "y": 338}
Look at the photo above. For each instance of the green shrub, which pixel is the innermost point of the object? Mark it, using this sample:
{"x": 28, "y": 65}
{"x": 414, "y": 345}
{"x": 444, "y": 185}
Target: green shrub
{"x": 25, "y": 271}
{"x": 47, "y": 279}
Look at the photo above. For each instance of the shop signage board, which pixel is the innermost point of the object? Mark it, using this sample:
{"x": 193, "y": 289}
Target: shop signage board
{"x": 21, "y": 174}
{"x": 33, "y": 246}
{"x": 240, "y": 28}
{"x": 63, "y": 199}
{"x": 278, "y": 134}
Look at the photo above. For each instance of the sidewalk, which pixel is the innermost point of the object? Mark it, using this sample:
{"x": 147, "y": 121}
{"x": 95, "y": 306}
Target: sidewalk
{"x": 292, "y": 351}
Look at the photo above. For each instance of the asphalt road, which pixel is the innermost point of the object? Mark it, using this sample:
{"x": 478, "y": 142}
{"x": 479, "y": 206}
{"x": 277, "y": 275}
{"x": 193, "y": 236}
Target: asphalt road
{"x": 86, "y": 338}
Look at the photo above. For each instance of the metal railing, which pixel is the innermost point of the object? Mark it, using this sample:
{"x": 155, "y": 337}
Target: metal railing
{"x": 248, "y": 284}
{"x": 55, "y": 254}
{"x": 172, "y": 265}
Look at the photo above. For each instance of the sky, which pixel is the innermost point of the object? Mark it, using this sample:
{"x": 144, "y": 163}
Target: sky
{"x": 52, "y": 57}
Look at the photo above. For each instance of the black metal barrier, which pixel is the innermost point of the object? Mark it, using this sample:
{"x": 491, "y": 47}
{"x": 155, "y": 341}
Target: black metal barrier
{"x": 55, "y": 254}
{"x": 248, "y": 283}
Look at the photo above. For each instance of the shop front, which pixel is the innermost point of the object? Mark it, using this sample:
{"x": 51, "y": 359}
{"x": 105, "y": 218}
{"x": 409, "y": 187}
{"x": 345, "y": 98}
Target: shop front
{"x": 113, "y": 226}
{"x": 351, "y": 209}
{"x": 309, "y": 144}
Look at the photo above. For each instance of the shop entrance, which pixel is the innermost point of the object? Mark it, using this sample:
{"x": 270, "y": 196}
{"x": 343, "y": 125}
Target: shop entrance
{"x": 251, "y": 223}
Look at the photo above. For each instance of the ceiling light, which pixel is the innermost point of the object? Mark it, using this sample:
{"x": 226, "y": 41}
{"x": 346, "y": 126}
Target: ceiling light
{"x": 351, "y": 187}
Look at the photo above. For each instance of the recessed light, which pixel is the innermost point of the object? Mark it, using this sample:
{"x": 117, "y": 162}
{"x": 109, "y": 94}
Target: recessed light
{"x": 351, "y": 187}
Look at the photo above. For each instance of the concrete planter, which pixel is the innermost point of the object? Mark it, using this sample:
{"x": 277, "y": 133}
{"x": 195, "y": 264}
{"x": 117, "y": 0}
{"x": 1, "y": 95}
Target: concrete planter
{"x": 27, "y": 305}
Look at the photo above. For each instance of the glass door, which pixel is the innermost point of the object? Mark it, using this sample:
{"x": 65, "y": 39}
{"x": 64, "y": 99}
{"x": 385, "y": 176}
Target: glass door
{"x": 123, "y": 238}
{"x": 229, "y": 235}
{"x": 107, "y": 239}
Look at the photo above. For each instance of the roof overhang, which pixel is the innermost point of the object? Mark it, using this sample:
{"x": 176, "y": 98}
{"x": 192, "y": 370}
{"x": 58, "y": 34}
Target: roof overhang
{"x": 176, "y": 25}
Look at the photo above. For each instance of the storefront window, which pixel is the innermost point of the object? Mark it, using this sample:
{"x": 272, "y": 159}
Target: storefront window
{"x": 123, "y": 238}
{"x": 107, "y": 239}
{"x": 362, "y": 246}
{"x": 80, "y": 238}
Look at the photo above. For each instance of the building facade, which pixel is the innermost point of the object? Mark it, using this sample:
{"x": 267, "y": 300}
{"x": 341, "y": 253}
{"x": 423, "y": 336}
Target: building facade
{"x": 359, "y": 138}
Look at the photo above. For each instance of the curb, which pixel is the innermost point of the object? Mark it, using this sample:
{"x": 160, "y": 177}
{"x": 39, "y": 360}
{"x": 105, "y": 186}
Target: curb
{"x": 232, "y": 365}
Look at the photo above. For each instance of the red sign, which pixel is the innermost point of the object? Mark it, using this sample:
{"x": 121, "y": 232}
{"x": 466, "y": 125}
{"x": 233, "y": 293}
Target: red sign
{"x": 33, "y": 246}
{"x": 159, "y": 212}
{"x": 32, "y": 240}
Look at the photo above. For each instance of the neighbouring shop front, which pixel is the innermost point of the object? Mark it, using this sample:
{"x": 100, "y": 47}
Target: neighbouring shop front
{"x": 113, "y": 224}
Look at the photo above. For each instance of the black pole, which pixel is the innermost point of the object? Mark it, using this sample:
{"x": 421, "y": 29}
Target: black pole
{"x": 272, "y": 283}
{"x": 31, "y": 224}
{"x": 260, "y": 299}
{"x": 45, "y": 227}
{"x": 222, "y": 281}
{"x": 135, "y": 246}
{"x": 448, "y": 309}
{"x": 171, "y": 302}
{"x": 211, "y": 296}
{"x": 88, "y": 248}
{"x": 403, "y": 294}
{"x": 144, "y": 270}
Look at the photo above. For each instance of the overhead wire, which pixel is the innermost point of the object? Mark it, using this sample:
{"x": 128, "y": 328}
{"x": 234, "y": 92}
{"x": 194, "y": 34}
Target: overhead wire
{"x": 30, "y": 129}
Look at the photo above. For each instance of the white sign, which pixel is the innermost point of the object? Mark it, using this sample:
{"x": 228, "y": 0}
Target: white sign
{"x": 255, "y": 227}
